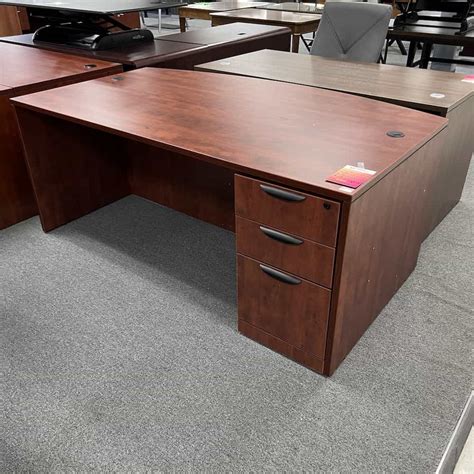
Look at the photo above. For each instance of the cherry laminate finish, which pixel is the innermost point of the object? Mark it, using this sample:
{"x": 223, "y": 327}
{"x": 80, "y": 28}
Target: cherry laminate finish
{"x": 223, "y": 34}
{"x": 310, "y": 260}
{"x": 179, "y": 52}
{"x": 437, "y": 92}
{"x": 135, "y": 56}
{"x": 295, "y": 313}
{"x": 162, "y": 149}
{"x": 378, "y": 246}
{"x": 9, "y": 21}
{"x": 297, "y": 141}
{"x": 25, "y": 70}
{"x": 310, "y": 217}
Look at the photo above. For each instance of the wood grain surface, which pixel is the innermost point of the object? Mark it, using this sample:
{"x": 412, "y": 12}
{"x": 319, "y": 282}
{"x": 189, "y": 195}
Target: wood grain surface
{"x": 296, "y": 314}
{"x": 298, "y": 141}
{"x": 225, "y": 33}
{"x": 411, "y": 87}
{"x": 181, "y": 51}
{"x": 9, "y": 21}
{"x": 26, "y": 69}
{"x": 313, "y": 217}
{"x": 268, "y": 16}
{"x": 378, "y": 247}
{"x": 308, "y": 259}
{"x": 139, "y": 55}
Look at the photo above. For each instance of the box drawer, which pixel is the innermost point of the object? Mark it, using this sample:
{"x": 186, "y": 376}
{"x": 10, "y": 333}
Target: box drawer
{"x": 289, "y": 308}
{"x": 291, "y": 211}
{"x": 291, "y": 253}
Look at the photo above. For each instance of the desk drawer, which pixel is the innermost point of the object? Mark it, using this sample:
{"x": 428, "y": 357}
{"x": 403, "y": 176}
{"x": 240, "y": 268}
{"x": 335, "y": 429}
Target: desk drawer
{"x": 289, "y": 308}
{"x": 290, "y": 211}
{"x": 291, "y": 253}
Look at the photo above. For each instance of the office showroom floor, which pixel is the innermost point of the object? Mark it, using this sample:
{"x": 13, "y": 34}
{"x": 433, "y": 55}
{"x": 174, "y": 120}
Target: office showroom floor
{"x": 119, "y": 351}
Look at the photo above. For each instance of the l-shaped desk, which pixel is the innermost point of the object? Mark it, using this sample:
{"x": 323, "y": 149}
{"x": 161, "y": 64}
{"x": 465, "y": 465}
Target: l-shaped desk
{"x": 317, "y": 261}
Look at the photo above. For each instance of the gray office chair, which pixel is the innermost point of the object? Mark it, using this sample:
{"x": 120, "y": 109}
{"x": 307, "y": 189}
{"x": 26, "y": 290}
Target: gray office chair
{"x": 352, "y": 31}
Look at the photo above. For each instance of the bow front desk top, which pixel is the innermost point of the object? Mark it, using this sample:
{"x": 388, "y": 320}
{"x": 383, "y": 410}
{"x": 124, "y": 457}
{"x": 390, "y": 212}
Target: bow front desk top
{"x": 294, "y": 135}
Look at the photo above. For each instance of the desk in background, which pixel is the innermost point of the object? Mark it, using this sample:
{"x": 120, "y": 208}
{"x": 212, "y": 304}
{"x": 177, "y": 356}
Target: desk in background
{"x": 202, "y": 11}
{"x": 430, "y": 36}
{"x": 178, "y": 52}
{"x": 9, "y": 21}
{"x": 295, "y": 7}
{"x": 413, "y": 88}
{"x": 299, "y": 23}
{"x": 316, "y": 261}
{"x": 23, "y": 71}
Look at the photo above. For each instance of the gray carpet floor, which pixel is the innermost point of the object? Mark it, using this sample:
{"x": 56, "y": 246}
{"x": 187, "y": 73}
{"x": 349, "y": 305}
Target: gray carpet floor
{"x": 119, "y": 352}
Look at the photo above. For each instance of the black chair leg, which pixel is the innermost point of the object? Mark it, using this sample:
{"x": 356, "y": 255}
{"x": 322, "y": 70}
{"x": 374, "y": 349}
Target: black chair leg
{"x": 402, "y": 47}
{"x": 411, "y": 53}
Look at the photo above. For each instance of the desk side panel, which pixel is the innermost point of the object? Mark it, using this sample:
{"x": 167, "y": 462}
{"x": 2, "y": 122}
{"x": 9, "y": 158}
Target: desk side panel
{"x": 17, "y": 201}
{"x": 381, "y": 234}
{"x": 74, "y": 170}
{"x": 457, "y": 152}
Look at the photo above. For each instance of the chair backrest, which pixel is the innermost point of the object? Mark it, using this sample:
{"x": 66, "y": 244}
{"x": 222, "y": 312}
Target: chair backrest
{"x": 352, "y": 31}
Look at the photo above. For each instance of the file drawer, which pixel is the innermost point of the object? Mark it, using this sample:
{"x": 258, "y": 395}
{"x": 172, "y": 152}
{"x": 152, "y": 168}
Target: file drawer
{"x": 290, "y": 211}
{"x": 288, "y": 252}
{"x": 289, "y": 308}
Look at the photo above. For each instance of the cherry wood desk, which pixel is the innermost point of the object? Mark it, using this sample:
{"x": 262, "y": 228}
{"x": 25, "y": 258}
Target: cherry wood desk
{"x": 299, "y": 23}
{"x": 316, "y": 262}
{"x": 202, "y": 11}
{"x": 409, "y": 87}
{"x": 23, "y": 71}
{"x": 180, "y": 52}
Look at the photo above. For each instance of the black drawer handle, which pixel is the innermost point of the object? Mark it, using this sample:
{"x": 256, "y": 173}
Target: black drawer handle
{"x": 280, "y": 236}
{"x": 280, "y": 275}
{"x": 282, "y": 194}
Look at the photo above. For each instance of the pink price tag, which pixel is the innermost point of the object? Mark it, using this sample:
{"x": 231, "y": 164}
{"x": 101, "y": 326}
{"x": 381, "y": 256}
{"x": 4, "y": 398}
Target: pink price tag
{"x": 351, "y": 176}
{"x": 469, "y": 78}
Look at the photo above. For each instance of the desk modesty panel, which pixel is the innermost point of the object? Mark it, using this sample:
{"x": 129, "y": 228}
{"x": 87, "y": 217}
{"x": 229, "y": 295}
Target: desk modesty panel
{"x": 442, "y": 93}
{"x": 331, "y": 257}
{"x": 23, "y": 71}
{"x": 184, "y": 50}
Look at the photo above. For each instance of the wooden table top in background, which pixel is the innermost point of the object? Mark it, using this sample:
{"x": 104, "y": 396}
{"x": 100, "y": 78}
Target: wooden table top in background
{"x": 210, "y": 7}
{"x": 22, "y": 67}
{"x": 437, "y": 35}
{"x": 295, "y": 7}
{"x": 223, "y": 33}
{"x": 405, "y": 86}
{"x": 268, "y": 16}
{"x": 139, "y": 55}
{"x": 298, "y": 140}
